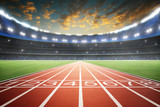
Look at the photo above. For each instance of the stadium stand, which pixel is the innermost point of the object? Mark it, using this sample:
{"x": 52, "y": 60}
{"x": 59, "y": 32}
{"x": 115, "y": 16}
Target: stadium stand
{"x": 142, "y": 49}
{"x": 139, "y": 41}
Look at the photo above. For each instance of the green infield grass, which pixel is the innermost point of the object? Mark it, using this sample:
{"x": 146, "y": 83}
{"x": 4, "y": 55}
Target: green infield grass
{"x": 11, "y": 69}
{"x": 147, "y": 69}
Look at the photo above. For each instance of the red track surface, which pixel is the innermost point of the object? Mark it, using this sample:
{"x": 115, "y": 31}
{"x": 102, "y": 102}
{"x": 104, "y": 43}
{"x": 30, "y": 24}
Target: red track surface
{"x": 80, "y": 84}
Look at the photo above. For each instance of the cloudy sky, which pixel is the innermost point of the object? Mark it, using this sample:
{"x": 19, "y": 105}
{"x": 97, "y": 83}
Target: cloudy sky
{"x": 79, "y": 16}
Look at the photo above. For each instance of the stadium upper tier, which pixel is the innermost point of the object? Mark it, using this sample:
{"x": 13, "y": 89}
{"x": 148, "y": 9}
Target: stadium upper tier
{"x": 146, "y": 28}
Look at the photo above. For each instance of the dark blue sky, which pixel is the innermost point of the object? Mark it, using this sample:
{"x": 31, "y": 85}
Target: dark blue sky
{"x": 79, "y": 16}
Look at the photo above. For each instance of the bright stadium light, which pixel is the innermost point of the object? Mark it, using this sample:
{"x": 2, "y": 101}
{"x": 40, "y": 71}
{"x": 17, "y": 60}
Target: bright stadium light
{"x": 10, "y": 29}
{"x": 89, "y": 34}
{"x": 104, "y": 40}
{"x": 100, "y": 33}
{"x": 114, "y": 38}
{"x": 44, "y": 38}
{"x": 152, "y": 15}
{"x": 84, "y": 41}
{"x": 57, "y": 33}
{"x": 149, "y": 30}
{"x": 68, "y": 34}
{"x": 64, "y": 40}
{"x": 124, "y": 28}
{"x": 22, "y": 34}
{"x": 1, "y": 12}
{"x": 125, "y": 37}
{"x": 74, "y": 41}
{"x": 47, "y": 31}
{"x": 34, "y": 28}
{"x": 25, "y": 25}
{"x": 34, "y": 36}
{"x": 78, "y": 34}
{"x": 136, "y": 35}
{"x": 94, "y": 40}
{"x": 54, "y": 39}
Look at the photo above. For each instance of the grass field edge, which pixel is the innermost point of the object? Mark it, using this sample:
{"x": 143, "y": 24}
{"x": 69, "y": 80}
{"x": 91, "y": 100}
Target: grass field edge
{"x": 31, "y": 73}
{"x": 134, "y": 75}
{"x": 127, "y": 73}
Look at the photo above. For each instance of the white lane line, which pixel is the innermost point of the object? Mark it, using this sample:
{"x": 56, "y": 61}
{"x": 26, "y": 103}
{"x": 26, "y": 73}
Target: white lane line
{"x": 109, "y": 94}
{"x": 10, "y": 101}
{"x": 152, "y": 102}
{"x": 29, "y": 80}
{"x": 52, "y": 93}
{"x": 127, "y": 78}
{"x": 80, "y": 88}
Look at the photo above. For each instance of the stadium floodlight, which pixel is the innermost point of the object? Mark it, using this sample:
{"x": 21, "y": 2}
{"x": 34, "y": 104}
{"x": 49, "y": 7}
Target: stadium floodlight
{"x": 10, "y": 29}
{"x": 1, "y": 12}
{"x": 68, "y": 34}
{"x": 41, "y": 30}
{"x": 84, "y": 41}
{"x": 54, "y": 39}
{"x": 22, "y": 34}
{"x": 94, "y": 40}
{"x": 125, "y": 28}
{"x": 25, "y": 24}
{"x": 5, "y": 15}
{"x": 104, "y": 40}
{"x": 114, "y": 38}
{"x": 64, "y": 40}
{"x": 89, "y": 34}
{"x": 152, "y": 15}
{"x": 9, "y": 40}
{"x": 57, "y": 33}
{"x": 136, "y": 35}
{"x": 100, "y": 33}
{"x": 22, "y": 50}
{"x": 34, "y": 28}
{"x": 78, "y": 34}
{"x": 44, "y": 38}
{"x": 74, "y": 41}
{"x": 125, "y": 37}
{"x": 34, "y": 36}
{"x": 46, "y": 31}
{"x": 149, "y": 30}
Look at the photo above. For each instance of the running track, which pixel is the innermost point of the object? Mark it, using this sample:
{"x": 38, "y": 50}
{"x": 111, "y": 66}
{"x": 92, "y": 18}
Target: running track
{"x": 80, "y": 84}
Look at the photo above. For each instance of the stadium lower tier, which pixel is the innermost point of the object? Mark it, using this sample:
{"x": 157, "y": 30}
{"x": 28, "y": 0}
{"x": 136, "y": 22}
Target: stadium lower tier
{"x": 79, "y": 57}
{"x": 142, "y": 49}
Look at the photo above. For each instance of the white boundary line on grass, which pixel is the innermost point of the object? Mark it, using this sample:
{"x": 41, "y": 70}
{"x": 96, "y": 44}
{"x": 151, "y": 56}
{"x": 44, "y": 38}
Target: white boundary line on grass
{"x": 109, "y": 94}
{"x": 52, "y": 93}
{"x": 15, "y": 98}
{"x": 145, "y": 98}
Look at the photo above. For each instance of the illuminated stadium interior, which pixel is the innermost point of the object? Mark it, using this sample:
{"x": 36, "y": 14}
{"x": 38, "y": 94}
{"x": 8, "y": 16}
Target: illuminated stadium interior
{"x": 138, "y": 41}
{"x": 79, "y": 53}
